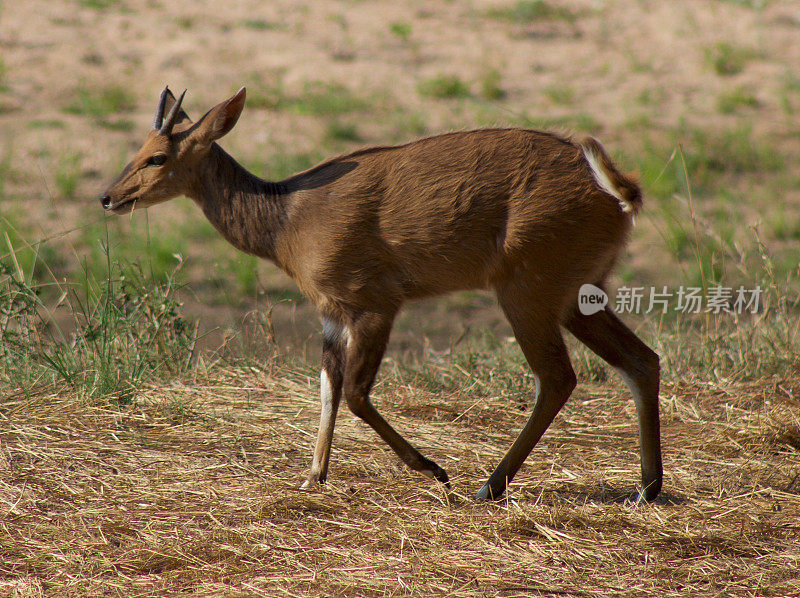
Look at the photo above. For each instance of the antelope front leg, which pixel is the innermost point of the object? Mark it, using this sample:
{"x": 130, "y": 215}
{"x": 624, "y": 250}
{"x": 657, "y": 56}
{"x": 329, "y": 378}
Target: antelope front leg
{"x": 330, "y": 393}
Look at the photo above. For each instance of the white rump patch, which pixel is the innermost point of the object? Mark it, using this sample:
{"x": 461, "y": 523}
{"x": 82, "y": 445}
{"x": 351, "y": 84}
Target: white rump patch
{"x": 603, "y": 181}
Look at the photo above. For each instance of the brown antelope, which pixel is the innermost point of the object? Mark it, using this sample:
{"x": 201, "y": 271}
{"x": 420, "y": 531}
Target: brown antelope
{"x": 529, "y": 214}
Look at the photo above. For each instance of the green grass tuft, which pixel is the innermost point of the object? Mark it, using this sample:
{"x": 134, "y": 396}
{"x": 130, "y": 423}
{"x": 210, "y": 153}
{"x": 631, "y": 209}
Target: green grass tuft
{"x": 444, "y": 87}
{"x": 123, "y": 330}
{"x": 100, "y": 104}
{"x": 727, "y": 59}
{"x": 560, "y": 94}
{"x": 46, "y": 123}
{"x": 341, "y": 131}
{"x": 491, "y": 88}
{"x": 708, "y": 156}
{"x": 735, "y": 99}
{"x": 6, "y": 169}
{"x": 100, "y": 4}
{"x": 752, "y": 4}
{"x": 529, "y": 11}
{"x": 68, "y": 174}
{"x": 260, "y": 24}
{"x": 3, "y": 75}
{"x": 318, "y": 98}
{"x": 401, "y": 30}
{"x": 731, "y": 151}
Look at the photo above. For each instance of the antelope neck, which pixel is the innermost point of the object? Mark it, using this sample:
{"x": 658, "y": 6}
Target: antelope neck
{"x": 247, "y": 210}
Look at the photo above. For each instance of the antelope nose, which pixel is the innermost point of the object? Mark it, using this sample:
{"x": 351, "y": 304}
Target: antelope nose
{"x": 105, "y": 201}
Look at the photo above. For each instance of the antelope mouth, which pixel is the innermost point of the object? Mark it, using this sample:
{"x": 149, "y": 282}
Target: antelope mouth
{"x": 121, "y": 207}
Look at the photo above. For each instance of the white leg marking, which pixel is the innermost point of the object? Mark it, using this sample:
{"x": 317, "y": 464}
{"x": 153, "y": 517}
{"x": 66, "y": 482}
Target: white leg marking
{"x": 325, "y": 395}
{"x": 326, "y": 424}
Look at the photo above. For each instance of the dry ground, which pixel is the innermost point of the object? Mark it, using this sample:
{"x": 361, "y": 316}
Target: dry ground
{"x": 194, "y": 491}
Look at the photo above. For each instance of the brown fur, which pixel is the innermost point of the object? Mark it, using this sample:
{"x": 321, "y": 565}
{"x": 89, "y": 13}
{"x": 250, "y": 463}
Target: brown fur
{"x": 513, "y": 210}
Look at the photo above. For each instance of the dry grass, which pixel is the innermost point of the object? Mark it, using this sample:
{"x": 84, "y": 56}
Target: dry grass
{"x": 193, "y": 491}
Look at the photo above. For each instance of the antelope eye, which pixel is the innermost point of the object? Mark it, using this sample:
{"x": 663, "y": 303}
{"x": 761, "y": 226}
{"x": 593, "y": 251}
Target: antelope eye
{"x": 157, "y": 160}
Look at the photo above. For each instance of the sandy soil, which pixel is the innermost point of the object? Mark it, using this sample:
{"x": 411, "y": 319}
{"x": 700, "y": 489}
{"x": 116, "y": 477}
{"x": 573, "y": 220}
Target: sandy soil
{"x": 628, "y": 69}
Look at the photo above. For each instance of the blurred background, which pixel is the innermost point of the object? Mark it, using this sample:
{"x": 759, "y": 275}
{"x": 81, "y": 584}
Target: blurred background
{"x": 700, "y": 98}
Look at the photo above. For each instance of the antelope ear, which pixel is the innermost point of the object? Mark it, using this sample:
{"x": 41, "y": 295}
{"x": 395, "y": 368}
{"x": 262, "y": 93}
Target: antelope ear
{"x": 182, "y": 118}
{"x": 218, "y": 121}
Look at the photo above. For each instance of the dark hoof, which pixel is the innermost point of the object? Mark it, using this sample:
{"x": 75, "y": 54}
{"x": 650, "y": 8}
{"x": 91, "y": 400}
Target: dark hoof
{"x": 650, "y": 492}
{"x": 486, "y": 493}
{"x": 312, "y": 482}
{"x": 440, "y": 475}
{"x": 437, "y": 473}
{"x": 643, "y": 496}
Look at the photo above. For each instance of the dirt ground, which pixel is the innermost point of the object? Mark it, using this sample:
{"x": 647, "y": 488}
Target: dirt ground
{"x": 639, "y": 75}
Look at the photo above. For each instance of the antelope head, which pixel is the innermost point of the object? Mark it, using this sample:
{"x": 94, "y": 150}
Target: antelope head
{"x": 172, "y": 155}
